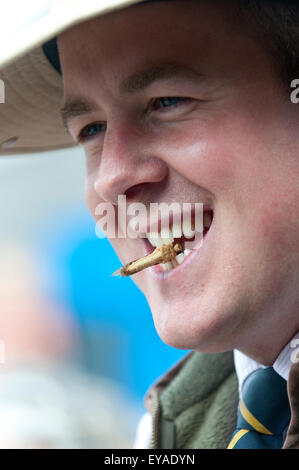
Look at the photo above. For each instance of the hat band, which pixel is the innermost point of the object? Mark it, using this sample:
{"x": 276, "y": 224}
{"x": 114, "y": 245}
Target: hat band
{"x": 51, "y": 52}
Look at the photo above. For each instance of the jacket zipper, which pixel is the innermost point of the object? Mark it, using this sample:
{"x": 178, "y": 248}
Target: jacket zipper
{"x": 154, "y": 444}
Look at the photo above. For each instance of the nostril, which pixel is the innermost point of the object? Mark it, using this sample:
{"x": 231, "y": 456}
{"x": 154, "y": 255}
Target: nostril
{"x": 135, "y": 190}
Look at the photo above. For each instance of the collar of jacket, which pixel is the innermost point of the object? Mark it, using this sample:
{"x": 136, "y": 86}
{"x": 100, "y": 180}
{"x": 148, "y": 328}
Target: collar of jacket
{"x": 195, "y": 404}
{"x": 292, "y": 437}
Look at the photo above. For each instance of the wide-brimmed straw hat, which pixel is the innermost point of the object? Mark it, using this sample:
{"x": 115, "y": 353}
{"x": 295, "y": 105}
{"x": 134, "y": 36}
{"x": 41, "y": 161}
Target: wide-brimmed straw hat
{"x": 31, "y": 85}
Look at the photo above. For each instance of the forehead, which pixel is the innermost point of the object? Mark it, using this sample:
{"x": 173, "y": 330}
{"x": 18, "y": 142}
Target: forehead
{"x": 167, "y": 29}
{"x": 107, "y": 49}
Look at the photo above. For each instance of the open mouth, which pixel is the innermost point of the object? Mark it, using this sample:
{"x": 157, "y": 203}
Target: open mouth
{"x": 189, "y": 239}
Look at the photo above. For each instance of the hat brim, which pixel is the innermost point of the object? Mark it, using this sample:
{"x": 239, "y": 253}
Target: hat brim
{"x": 30, "y": 115}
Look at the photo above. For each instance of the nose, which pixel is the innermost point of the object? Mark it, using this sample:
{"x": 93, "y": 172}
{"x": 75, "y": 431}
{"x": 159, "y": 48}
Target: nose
{"x": 127, "y": 164}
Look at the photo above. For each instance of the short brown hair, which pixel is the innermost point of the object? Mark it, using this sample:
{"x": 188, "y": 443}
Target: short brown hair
{"x": 276, "y": 24}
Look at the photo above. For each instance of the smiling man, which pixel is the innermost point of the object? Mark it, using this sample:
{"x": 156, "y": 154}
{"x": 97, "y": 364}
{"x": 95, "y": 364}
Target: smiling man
{"x": 189, "y": 101}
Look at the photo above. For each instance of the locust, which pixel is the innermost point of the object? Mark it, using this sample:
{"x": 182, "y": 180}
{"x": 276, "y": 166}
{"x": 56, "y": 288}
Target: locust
{"x": 162, "y": 254}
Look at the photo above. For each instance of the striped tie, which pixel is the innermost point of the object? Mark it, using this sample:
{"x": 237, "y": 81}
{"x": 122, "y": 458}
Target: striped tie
{"x": 263, "y": 413}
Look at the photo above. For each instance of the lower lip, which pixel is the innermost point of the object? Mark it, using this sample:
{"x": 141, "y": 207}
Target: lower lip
{"x": 157, "y": 272}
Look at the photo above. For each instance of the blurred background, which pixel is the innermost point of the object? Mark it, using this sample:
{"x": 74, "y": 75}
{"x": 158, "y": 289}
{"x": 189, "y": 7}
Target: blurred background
{"x": 76, "y": 360}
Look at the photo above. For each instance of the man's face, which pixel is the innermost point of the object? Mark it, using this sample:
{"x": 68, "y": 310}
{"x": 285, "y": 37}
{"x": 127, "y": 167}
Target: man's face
{"x": 185, "y": 108}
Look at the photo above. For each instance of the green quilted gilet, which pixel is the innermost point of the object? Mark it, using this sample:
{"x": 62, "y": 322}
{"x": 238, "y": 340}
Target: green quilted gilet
{"x": 197, "y": 409}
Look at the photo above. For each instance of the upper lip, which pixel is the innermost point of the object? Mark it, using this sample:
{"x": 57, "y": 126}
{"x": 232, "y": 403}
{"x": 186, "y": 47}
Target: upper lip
{"x": 147, "y": 226}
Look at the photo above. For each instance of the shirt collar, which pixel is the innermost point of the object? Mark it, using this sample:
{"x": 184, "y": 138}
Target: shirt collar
{"x": 244, "y": 365}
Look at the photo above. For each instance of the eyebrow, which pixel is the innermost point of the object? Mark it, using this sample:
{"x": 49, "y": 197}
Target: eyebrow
{"x": 141, "y": 80}
{"x": 137, "y": 82}
{"x": 74, "y": 107}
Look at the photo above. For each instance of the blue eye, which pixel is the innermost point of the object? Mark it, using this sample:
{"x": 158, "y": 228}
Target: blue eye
{"x": 91, "y": 130}
{"x": 169, "y": 101}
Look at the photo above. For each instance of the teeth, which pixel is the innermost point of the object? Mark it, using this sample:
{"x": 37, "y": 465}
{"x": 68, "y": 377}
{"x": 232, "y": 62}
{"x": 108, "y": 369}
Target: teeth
{"x": 177, "y": 230}
{"x": 178, "y": 260}
{"x": 167, "y": 236}
{"x": 154, "y": 239}
{"x": 166, "y": 266}
{"x": 187, "y": 229}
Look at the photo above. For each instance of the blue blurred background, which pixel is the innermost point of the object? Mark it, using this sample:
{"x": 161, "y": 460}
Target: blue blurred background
{"x": 117, "y": 334}
{"x": 78, "y": 348}
{"x": 80, "y": 344}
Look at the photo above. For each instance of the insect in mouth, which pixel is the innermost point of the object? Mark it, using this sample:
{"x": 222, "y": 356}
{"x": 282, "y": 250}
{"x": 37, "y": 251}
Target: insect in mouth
{"x": 162, "y": 254}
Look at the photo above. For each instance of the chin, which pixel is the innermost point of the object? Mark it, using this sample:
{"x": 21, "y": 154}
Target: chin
{"x": 191, "y": 328}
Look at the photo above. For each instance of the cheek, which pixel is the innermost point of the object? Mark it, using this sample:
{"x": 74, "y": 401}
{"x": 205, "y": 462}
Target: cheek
{"x": 273, "y": 243}
{"x": 91, "y": 199}
{"x": 204, "y": 154}
{"x": 276, "y": 229}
